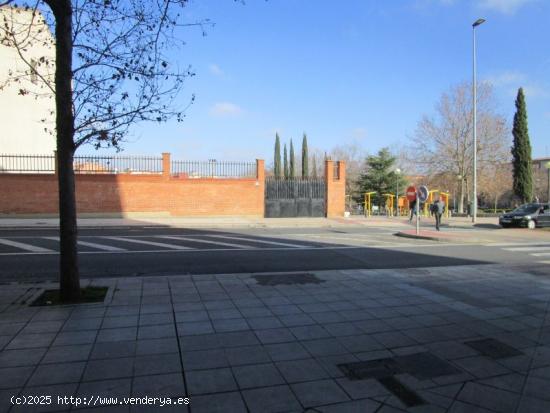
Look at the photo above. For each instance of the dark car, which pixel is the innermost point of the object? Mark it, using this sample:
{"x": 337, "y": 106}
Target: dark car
{"x": 528, "y": 215}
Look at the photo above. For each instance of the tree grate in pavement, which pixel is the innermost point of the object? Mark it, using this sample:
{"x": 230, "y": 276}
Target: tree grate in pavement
{"x": 287, "y": 279}
{"x": 492, "y": 348}
{"x": 420, "y": 365}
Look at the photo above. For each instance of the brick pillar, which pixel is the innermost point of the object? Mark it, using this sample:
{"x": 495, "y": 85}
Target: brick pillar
{"x": 336, "y": 189}
{"x": 166, "y": 172}
{"x": 260, "y": 185}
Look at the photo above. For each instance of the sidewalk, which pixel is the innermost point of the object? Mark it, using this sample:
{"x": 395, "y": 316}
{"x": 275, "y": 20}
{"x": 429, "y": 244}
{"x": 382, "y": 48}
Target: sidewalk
{"x": 426, "y": 339}
{"x": 229, "y": 222}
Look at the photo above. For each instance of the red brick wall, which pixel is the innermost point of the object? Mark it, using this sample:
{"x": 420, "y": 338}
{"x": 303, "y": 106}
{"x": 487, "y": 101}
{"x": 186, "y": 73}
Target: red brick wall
{"x": 37, "y": 194}
{"x": 336, "y": 189}
{"x": 125, "y": 193}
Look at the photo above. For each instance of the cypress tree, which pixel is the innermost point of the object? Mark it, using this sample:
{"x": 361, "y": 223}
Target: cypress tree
{"x": 305, "y": 166}
{"x": 521, "y": 152}
{"x": 277, "y": 157}
{"x": 285, "y": 163}
{"x": 292, "y": 161}
{"x": 314, "y": 166}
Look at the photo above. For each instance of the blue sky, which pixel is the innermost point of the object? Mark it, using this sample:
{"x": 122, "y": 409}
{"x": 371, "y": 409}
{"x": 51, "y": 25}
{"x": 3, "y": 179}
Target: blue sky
{"x": 363, "y": 71}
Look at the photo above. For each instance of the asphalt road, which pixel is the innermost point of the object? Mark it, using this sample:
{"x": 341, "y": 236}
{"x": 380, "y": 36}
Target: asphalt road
{"x": 32, "y": 255}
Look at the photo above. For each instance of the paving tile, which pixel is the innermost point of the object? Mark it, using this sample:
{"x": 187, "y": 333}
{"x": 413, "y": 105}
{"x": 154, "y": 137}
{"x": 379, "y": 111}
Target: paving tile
{"x": 156, "y": 331}
{"x": 537, "y": 387}
{"x": 201, "y": 342}
{"x": 22, "y": 341}
{"x": 70, "y": 338}
{"x": 259, "y": 323}
{"x": 320, "y": 392}
{"x": 116, "y": 334}
{"x": 295, "y": 371}
{"x": 293, "y": 320}
{"x": 192, "y": 316}
{"x": 224, "y": 314}
{"x": 238, "y": 338}
{"x": 65, "y": 354}
{"x": 115, "y": 349}
{"x": 157, "y": 346}
{"x": 287, "y": 351}
{"x": 531, "y": 405}
{"x": 280, "y": 310}
{"x": 22, "y": 357}
{"x": 205, "y": 359}
{"x": 161, "y": 385}
{"x": 13, "y": 377}
{"x": 360, "y": 343}
{"x": 275, "y": 335}
{"x": 271, "y": 399}
{"x": 194, "y": 328}
{"x": 155, "y": 319}
{"x": 356, "y": 406}
{"x": 37, "y": 327}
{"x": 234, "y": 324}
{"x": 362, "y": 389}
{"x": 11, "y": 329}
{"x": 489, "y": 397}
{"x": 257, "y": 375}
{"x": 209, "y": 381}
{"x": 481, "y": 367}
{"x": 324, "y": 347}
{"x": 109, "y": 369}
{"x": 157, "y": 364}
{"x": 393, "y": 339}
{"x": 237, "y": 356}
{"x": 81, "y": 324}
{"x": 219, "y": 403}
{"x": 249, "y": 312}
{"x": 57, "y": 374}
{"x": 106, "y": 388}
{"x": 342, "y": 329}
{"x": 119, "y": 322}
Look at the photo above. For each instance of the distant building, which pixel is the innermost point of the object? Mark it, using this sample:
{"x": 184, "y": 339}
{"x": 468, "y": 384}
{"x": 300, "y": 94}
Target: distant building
{"x": 27, "y": 105}
{"x": 539, "y": 164}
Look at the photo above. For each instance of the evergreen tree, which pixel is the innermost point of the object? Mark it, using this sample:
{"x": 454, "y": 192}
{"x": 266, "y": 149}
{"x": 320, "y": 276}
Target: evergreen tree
{"x": 292, "y": 161}
{"x": 521, "y": 152}
{"x": 305, "y": 166}
{"x": 314, "y": 166}
{"x": 380, "y": 175}
{"x": 285, "y": 163}
{"x": 277, "y": 157}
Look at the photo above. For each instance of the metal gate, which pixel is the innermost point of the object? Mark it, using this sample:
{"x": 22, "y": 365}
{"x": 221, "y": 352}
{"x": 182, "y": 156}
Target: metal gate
{"x": 296, "y": 197}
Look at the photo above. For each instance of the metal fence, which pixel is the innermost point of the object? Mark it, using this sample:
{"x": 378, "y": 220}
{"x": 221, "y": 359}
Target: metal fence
{"x": 336, "y": 170}
{"x": 27, "y": 163}
{"x": 117, "y": 164}
{"x": 214, "y": 169}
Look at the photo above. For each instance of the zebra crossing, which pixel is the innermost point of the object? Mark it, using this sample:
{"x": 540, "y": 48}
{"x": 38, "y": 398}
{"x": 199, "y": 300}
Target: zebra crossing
{"x": 109, "y": 244}
{"x": 539, "y": 252}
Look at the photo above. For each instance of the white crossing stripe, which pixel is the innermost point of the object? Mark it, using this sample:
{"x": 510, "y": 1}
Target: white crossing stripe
{"x": 261, "y": 241}
{"x": 93, "y": 245}
{"x": 544, "y": 262}
{"x": 528, "y": 249}
{"x": 26, "y": 247}
{"x": 540, "y": 254}
{"x": 156, "y": 244}
{"x": 205, "y": 241}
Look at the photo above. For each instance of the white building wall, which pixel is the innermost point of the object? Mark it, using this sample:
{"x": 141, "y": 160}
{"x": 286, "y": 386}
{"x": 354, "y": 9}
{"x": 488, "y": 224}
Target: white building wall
{"x": 26, "y": 121}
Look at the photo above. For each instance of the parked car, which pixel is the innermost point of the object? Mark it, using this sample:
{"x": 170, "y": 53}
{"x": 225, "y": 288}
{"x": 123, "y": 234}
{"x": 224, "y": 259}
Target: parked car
{"x": 528, "y": 215}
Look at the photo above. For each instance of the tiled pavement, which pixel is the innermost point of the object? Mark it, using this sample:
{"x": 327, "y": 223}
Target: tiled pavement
{"x": 231, "y": 344}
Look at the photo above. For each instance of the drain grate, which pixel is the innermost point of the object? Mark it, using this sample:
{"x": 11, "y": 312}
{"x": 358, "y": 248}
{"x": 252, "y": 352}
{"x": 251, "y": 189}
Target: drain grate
{"x": 492, "y": 348}
{"x": 402, "y": 392}
{"x": 287, "y": 279}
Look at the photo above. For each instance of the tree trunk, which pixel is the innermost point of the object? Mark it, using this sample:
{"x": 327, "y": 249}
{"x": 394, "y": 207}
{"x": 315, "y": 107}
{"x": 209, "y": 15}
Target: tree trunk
{"x": 68, "y": 263}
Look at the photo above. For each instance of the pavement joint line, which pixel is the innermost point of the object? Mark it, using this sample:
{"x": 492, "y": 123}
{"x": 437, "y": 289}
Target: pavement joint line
{"x": 527, "y": 249}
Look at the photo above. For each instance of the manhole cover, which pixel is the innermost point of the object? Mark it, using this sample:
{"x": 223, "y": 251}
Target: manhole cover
{"x": 287, "y": 279}
{"x": 489, "y": 347}
{"x": 421, "y": 365}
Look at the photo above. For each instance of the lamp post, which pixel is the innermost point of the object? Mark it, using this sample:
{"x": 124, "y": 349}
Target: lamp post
{"x": 548, "y": 169}
{"x": 397, "y": 172}
{"x": 474, "y": 86}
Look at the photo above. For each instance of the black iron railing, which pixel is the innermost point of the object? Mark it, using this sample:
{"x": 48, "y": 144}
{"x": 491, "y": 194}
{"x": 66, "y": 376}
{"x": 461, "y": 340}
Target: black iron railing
{"x": 117, "y": 164}
{"x": 213, "y": 169}
{"x": 27, "y": 163}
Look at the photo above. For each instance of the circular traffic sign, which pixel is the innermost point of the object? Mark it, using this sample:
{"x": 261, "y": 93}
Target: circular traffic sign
{"x": 423, "y": 193}
{"x": 411, "y": 193}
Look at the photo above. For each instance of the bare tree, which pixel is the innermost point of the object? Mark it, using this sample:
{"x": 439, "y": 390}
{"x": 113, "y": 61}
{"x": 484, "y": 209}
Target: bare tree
{"x": 354, "y": 155}
{"x": 443, "y": 144}
{"x": 112, "y": 70}
{"x": 494, "y": 182}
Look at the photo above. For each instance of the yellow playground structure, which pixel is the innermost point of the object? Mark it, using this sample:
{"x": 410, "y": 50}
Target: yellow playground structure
{"x": 403, "y": 205}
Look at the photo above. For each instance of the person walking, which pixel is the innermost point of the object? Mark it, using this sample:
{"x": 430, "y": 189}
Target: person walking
{"x": 412, "y": 207}
{"x": 438, "y": 208}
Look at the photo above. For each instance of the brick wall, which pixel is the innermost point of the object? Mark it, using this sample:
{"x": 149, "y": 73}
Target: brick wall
{"x": 126, "y": 193}
{"x": 335, "y": 176}
{"x": 161, "y": 193}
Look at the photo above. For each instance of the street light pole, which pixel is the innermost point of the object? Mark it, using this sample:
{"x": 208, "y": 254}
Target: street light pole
{"x": 474, "y": 86}
{"x": 548, "y": 168}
